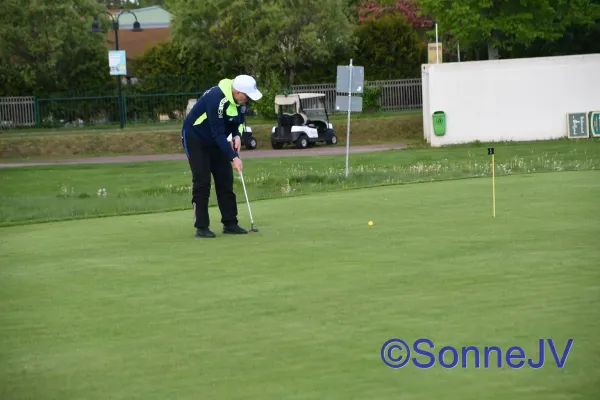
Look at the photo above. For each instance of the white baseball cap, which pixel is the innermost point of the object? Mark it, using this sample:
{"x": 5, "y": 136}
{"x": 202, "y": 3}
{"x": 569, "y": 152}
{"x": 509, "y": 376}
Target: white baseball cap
{"x": 247, "y": 85}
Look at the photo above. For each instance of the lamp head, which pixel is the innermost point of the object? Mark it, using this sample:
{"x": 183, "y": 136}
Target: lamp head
{"x": 95, "y": 26}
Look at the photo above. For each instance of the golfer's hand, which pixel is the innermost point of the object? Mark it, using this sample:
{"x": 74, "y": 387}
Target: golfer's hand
{"x": 237, "y": 144}
{"x": 237, "y": 164}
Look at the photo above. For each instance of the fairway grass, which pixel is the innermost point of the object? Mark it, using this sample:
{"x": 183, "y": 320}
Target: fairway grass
{"x": 37, "y": 194}
{"x": 135, "y": 307}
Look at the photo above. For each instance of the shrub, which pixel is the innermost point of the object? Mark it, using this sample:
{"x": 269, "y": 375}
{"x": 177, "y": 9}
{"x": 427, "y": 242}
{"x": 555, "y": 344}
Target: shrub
{"x": 388, "y": 47}
{"x": 269, "y": 87}
{"x": 371, "y": 99}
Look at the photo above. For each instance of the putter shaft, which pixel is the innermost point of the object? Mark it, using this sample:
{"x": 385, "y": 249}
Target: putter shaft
{"x": 247, "y": 201}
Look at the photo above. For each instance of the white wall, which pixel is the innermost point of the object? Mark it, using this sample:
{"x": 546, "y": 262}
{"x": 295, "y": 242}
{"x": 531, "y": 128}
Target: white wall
{"x": 509, "y": 100}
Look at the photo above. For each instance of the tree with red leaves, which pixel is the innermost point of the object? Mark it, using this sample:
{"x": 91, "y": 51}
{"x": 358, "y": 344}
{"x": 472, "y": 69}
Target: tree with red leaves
{"x": 412, "y": 11}
{"x": 375, "y": 9}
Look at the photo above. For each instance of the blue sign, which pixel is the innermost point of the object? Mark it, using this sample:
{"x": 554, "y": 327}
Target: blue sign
{"x": 117, "y": 62}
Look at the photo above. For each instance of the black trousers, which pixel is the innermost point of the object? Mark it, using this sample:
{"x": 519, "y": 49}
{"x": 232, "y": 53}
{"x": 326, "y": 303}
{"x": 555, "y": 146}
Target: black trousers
{"x": 206, "y": 161}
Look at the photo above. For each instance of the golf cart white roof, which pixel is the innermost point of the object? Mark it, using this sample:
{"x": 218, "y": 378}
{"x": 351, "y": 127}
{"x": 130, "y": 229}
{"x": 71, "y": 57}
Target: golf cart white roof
{"x": 283, "y": 99}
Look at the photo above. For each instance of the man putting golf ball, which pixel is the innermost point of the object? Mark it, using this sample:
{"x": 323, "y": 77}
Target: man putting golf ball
{"x": 218, "y": 112}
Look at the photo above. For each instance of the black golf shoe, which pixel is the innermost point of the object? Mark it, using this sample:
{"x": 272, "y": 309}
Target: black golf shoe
{"x": 204, "y": 233}
{"x": 234, "y": 229}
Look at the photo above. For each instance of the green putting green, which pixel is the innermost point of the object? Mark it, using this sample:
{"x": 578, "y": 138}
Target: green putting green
{"x": 135, "y": 307}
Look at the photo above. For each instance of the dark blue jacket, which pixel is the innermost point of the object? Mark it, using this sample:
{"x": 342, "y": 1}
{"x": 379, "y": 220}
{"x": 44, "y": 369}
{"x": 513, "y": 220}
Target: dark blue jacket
{"x": 215, "y": 116}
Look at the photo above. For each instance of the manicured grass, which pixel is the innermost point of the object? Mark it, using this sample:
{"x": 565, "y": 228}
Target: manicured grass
{"x": 59, "y": 192}
{"x": 136, "y": 307}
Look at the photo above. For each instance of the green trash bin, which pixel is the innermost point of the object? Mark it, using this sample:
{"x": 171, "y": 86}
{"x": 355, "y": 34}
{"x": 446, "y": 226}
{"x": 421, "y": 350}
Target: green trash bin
{"x": 439, "y": 123}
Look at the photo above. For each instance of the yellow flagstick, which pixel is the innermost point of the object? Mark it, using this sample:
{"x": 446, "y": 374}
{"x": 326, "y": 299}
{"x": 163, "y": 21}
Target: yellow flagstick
{"x": 494, "y": 185}
{"x": 491, "y": 152}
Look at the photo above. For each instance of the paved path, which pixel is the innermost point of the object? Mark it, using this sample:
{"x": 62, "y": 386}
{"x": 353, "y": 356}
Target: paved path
{"x": 246, "y": 154}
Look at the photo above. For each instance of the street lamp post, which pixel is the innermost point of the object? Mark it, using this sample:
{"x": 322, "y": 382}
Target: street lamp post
{"x": 115, "y": 25}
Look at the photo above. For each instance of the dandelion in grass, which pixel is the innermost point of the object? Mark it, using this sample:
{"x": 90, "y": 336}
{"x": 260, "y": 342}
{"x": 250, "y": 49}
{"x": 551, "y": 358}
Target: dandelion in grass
{"x": 65, "y": 191}
{"x": 286, "y": 189}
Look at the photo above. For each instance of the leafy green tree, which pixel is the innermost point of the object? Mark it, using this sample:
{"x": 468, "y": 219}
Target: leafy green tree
{"x": 46, "y": 47}
{"x": 165, "y": 68}
{"x": 503, "y": 25}
{"x": 578, "y": 38}
{"x": 388, "y": 47}
{"x": 227, "y": 35}
{"x": 260, "y": 36}
{"x": 306, "y": 32}
{"x": 326, "y": 70}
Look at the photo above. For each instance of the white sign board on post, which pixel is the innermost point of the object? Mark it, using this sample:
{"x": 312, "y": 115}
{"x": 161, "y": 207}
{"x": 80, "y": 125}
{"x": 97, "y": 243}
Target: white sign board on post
{"x": 343, "y": 82}
{"x": 350, "y": 79}
{"x": 341, "y": 103}
{"x": 117, "y": 62}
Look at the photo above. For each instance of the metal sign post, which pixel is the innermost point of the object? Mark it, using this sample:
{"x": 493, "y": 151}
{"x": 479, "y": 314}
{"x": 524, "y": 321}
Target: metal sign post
{"x": 348, "y": 123}
{"x": 437, "y": 48}
{"x": 350, "y": 79}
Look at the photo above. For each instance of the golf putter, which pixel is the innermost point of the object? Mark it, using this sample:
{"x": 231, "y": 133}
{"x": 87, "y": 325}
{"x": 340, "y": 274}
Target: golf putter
{"x": 252, "y": 227}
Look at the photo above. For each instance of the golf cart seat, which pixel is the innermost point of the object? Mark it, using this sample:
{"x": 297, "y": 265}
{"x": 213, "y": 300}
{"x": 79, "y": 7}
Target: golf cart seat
{"x": 299, "y": 119}
{"x": 286, "y": 120}
{"x": 289, "y": 120}
{"x": 302, "y": 118}
{"x": 321, "y": 126}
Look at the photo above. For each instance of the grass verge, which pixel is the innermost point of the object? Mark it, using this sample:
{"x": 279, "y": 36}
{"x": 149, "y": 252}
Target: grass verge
{"x": 37, "y": 194}
{"x": 135, "y": 307}
{"x": 405, "y": 127}
{"x": 174, "y": 125}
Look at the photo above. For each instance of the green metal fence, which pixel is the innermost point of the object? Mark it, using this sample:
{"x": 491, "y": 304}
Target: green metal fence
{"x": 145, "y": 103}
{"x": 104, "y": 110}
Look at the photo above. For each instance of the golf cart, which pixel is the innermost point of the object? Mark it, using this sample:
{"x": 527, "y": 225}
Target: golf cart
{"x": 302, "y": 119}
{"x": 248, "y": 139}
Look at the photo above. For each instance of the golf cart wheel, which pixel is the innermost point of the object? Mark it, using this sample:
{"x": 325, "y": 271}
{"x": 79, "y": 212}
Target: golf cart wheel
{"x": 251, "y": 143}
{"x": 277, "y": 145}
{"x": 302, "y": 142}
{"x": 332, "y": 140}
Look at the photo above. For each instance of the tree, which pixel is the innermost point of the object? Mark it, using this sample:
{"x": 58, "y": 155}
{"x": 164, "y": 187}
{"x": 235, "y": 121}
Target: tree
{"x": 503, "y": 25}
{"x": 306, "y": 32}
{"x": 408, "y": 8}
{"x": 46, "y": 47}
{"x": 227, "y": 35}
{"x": 388, "y": 47}
{"x": 164, "y": 68}
{"x": 254, "y": 36}
{"x": 578, "y": 38}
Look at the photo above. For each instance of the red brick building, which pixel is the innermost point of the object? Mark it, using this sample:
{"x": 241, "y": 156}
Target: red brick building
{"x": 155, "y": 22}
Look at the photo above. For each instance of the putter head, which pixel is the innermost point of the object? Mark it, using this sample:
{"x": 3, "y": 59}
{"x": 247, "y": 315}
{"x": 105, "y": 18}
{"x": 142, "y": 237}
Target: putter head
{"x": 253, "y": 229}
